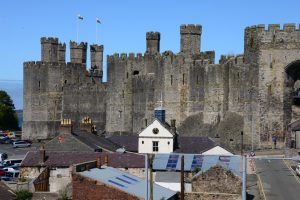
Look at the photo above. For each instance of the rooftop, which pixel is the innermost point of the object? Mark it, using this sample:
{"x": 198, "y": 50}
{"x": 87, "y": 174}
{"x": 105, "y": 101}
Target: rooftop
{"x": 126, "y": 182}
{"x": 66, "y": 159}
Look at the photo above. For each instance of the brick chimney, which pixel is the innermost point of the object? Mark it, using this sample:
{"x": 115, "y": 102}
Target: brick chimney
{"x": 106, "y": 160}
{"x": 42, "y": 152}
{"x": 98, "y": 162}
{"x": 65, "y": 126}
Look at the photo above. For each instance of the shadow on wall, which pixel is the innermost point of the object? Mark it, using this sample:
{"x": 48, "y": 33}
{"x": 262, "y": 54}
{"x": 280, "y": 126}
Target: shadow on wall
{"x": 228, "y": 130}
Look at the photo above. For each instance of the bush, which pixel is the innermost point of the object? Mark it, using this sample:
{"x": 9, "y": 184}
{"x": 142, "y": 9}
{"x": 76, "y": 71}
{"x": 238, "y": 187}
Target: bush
{"x": 24, "y": 195}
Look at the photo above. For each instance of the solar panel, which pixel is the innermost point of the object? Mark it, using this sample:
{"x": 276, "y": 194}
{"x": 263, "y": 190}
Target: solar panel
{"x": 130, "y": 178}
{"x": 197, "y": 162}
{"x": 172, "y": 162}
{"x": 118, "y": 184}
{"x": 120, "y": 179}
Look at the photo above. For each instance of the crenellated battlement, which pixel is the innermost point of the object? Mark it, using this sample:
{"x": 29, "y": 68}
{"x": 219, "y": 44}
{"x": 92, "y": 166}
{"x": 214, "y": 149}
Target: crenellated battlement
{"x": 153, "y": 35}
{"x": 125, "y": 57}
{"x": 273, "y": 28}
{"x": 61, "y": 46}
{"x": 96, "y": 48}
{"x": 75, "y": 45}
{"x": 51, "y": 40}
{"x": 191, "y": 29}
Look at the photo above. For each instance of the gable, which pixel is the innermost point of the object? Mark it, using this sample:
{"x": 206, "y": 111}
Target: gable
{"x": 155, "y": 130}
{"x": 217, "y": 150}
{"x": 66, "y": 142}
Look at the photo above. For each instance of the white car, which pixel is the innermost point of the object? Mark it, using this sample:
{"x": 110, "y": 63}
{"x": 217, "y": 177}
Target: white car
{"x": 10, "y": 169}
{"x": 297, "y": 170}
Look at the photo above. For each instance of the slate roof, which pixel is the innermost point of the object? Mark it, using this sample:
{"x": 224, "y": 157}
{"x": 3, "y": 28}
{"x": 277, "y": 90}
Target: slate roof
{"x": 66, "y": 159}
{"x": 80, "y": 141}
{"x": 167, "y": 177}
{"x": 96, "y": 142}
{"x": 126, "y": 182}
{"x": 188, "y": 144}
{"x": 129, "y": 142}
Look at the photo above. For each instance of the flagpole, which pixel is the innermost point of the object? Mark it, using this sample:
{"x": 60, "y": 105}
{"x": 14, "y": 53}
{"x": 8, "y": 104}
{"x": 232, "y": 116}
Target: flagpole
{"x": 96, "y": 31}
{"x": 77, "y": 30}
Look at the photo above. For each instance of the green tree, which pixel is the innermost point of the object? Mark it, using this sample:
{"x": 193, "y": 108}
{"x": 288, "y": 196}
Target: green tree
{"x": 8, "y": 116}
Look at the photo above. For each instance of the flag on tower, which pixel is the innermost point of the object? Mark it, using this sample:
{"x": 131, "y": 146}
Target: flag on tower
{"x": 98, "y": 20}
{"x": 80, "y": 17}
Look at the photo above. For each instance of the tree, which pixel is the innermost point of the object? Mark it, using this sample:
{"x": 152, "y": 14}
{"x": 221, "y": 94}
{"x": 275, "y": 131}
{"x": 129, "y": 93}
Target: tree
{"x": 8, "y": 116}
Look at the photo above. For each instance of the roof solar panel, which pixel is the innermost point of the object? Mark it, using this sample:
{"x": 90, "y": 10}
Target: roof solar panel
{"x": 197, "y": 162}
{"x": 130, "y": 178}
{"x": 115, "y": 183}
{"x": 172, "y": 162}
{"x": 125, "y": 181}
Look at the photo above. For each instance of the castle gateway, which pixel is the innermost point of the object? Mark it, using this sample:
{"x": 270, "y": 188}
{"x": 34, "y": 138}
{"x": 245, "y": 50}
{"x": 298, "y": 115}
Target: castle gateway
{"x": 256, "y": 92}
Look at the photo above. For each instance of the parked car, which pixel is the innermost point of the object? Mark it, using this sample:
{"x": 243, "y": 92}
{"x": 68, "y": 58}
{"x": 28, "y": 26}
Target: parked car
{"x": 2, "y": 172}
{"x": 11, "y": 169}
{"x": 10, "y": 162}
{"x": 19, "y": 144}
{"x": 298, "y": 170}
{"x": 3, "y": 135}
{"x": 3, "y": 156}
{"x": 6, "y": 141}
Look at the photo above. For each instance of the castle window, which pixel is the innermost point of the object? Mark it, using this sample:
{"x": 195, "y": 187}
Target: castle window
{"x": 171, "y": 79}
{"x": 183, "y": 79}
{"x": 39, "y": 85}
{"x": 123, "y": 94}
{"x": 136, "y": 72}
{"x": 127, "y": 75}
{"x": 66, "y": 81}
{"x": 146, "y": 122}
{"x": 197, "y": 79}
{"x": 155, "y": 146}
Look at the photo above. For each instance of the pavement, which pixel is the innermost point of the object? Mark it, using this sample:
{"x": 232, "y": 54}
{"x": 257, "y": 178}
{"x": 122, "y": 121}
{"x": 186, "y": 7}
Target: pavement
{"x": 277, "y": 179}
{"x": 6, "y": 193}
{"x": 17, "y": 153}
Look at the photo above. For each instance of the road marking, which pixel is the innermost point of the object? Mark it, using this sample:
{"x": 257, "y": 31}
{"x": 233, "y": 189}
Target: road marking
{"x": 292, "y": 171}
{"x": 260, "y": 182}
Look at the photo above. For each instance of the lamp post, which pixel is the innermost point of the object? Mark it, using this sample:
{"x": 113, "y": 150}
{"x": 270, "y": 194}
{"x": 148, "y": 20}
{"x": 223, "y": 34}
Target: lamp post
{"x": 242, "y": 142}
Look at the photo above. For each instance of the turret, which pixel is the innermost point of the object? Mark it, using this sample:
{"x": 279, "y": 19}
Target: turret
{"x": 78, "y": 52}
{"x": 97, "y": 59}
{"x": 190, "y": 38}
{"x": 49, "y": 49}
{"x": 153, "y": 39}
{"x": 61, "y": 54}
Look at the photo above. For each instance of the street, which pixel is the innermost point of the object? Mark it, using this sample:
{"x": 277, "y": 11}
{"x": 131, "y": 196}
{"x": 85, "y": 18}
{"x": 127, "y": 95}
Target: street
{"x": 16, "y": 153}
{"x": 277, "y": 180}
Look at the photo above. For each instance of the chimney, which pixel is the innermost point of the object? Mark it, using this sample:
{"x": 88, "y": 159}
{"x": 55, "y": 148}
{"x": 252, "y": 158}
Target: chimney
{"x": 98, "y": 162}
{"x": 42, "y": 154}
{"x": 173, "y": 129}
{"x": 106, "y": 160}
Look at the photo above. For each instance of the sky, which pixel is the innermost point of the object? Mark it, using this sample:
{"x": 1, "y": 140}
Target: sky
{"x": 125, "y": 23}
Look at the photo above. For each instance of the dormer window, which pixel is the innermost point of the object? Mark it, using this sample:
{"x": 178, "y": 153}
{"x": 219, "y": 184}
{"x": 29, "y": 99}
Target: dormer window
{"x": 155, "y": 130}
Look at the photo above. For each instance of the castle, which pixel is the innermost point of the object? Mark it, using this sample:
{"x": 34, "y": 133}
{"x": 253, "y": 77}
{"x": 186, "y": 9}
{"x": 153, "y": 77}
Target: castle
{"x": 253, "y": 92}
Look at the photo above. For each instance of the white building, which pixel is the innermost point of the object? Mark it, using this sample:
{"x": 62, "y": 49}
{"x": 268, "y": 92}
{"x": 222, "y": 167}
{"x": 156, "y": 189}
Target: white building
{"x": 156, "y": 138}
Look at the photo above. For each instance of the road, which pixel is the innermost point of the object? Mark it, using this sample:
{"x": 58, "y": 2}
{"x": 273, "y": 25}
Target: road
{"x": 278, "y": 181}
{"x": 18, "y": 152}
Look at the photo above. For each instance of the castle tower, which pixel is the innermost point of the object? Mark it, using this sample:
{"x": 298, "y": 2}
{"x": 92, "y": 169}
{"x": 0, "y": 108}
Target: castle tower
{"x": 97, "y": 59}
{"x": 190, "y": 38}
{"x": 153, "y": 39}
{"x": 61, "y": 53}
{"x": 49, "y": 49}
{"x": 78, "y": 52}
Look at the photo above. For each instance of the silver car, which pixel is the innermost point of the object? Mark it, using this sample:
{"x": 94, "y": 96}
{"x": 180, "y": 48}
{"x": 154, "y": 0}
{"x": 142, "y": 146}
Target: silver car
{"x": 21, "y": 144}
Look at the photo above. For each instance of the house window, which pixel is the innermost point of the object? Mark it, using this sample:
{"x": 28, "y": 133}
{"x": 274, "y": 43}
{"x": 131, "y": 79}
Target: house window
{"x": 142, "y": 142}
{"x": 155, "y": 146}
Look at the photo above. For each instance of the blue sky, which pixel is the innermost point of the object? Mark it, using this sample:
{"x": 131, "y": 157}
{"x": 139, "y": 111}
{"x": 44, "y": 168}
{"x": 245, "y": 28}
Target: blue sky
{"x": 125, "y": 23}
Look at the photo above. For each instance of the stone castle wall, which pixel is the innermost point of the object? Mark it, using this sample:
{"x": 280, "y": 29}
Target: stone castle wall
{"x": 250, "y": 92}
